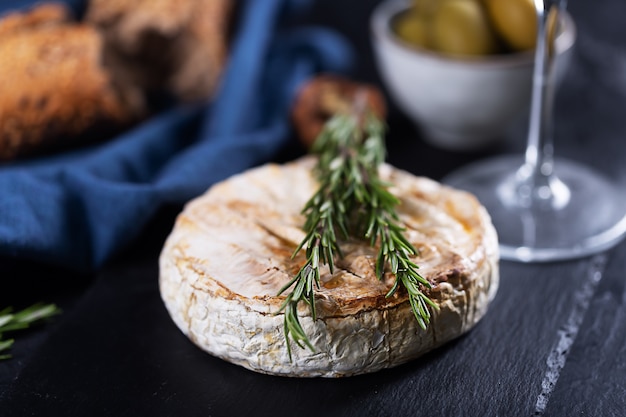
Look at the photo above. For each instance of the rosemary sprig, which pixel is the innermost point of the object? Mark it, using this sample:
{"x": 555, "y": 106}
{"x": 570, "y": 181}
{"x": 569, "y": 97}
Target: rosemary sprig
{"x": 326, "y": 215}
{"x": 351, "y": 200}
{"x": 11, "y": 322}
{"x": 321, "y": 245}
{"x": 396, "y": 251}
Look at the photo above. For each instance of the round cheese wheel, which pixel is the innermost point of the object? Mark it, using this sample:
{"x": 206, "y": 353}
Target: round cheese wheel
{"x": 230, "y": 252}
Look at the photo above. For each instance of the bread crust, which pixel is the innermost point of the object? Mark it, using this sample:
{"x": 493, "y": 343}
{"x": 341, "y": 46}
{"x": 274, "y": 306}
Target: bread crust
{"x": 328, "y": 94}
{"x": 173, "y": 46}
{"x": 230, "y": 252}
{"x": 55, "y": 90}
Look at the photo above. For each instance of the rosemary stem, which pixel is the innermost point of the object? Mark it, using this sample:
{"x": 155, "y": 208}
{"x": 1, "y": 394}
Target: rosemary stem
{"x": 352, "y": 201}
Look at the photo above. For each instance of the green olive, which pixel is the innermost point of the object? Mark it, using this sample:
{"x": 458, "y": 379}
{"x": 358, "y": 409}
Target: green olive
{"x": 461, "y": 27}
{"x": 411, "y": 27}
{"x": 515, "y": 21}
{"x": 424, "y": 7}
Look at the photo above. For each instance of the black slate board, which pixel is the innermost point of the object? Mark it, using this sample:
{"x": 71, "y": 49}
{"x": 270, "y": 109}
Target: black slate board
{"x": 118, "y": 353}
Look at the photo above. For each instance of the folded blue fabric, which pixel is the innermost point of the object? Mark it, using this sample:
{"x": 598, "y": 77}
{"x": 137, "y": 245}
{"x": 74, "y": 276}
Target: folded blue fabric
{"x": 76, "y": 208}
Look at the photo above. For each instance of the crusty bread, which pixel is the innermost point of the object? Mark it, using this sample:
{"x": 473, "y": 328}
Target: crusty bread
{"x": 165, "y": 45}
{"x": 54, "y": 88}
{"x": 325, "y": 95}
{"x": 230, "y": 252}
{"x": 45, "y": 14}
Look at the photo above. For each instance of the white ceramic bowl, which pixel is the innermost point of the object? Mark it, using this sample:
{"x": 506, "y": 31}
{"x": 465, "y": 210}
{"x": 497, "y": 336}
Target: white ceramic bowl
{"x": 458, "y": 103}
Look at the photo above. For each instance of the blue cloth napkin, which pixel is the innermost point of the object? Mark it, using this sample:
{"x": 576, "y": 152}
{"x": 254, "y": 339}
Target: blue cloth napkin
{"x": 77, "y": 208}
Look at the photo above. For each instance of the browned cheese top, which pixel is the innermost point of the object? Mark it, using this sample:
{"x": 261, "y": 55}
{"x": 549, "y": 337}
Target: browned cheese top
{"x": 239, "y": 237}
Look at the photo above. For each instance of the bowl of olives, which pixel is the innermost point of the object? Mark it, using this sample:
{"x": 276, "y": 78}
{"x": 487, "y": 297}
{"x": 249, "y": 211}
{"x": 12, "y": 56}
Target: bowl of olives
{"x": 462, "y": 69}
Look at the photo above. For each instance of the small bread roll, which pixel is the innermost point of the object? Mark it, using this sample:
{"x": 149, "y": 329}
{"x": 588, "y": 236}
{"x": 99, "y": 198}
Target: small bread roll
{"x": 325, "y": 95}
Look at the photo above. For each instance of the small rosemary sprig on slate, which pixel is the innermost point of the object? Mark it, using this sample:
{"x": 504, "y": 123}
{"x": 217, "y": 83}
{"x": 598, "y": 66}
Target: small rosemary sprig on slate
{"x": 10, "y": 322}
{"x": 351, "y": 200}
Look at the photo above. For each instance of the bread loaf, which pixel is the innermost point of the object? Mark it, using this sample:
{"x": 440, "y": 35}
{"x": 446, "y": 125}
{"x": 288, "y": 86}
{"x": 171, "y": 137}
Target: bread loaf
{"x": 55, "y": 89}
{"x": 173, "y": 46}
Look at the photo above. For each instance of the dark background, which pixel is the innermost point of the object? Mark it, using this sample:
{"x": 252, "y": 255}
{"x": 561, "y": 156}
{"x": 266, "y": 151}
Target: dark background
{"x": 553, "y": 342}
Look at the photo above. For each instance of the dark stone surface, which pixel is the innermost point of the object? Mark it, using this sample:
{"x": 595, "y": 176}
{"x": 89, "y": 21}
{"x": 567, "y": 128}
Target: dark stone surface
{"x": 552, "y": 343}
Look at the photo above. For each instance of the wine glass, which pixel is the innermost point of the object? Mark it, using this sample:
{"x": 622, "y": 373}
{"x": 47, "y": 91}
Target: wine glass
{"x": 545, "y": 208}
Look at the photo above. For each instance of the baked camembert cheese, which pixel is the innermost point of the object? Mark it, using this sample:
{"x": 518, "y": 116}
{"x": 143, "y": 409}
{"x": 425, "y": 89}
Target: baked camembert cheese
{"x": 230, "y": 252}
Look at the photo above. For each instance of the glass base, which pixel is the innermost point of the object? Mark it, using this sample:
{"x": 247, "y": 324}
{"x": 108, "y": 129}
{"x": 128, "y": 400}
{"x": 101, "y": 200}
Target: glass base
{"x": 586, "y": 213}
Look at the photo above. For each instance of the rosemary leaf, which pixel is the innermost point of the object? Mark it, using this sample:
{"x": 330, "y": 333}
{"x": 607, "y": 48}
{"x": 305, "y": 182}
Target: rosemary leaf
{"x": 352, "y": 201}
{"x": 11, "y": 322}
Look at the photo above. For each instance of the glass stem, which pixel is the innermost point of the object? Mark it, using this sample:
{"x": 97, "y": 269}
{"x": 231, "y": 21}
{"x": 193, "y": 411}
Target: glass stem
{"x": 537, "y": 184}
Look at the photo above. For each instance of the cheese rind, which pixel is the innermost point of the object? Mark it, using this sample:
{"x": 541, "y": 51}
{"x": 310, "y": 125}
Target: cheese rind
{"x": 230, "y": 252}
